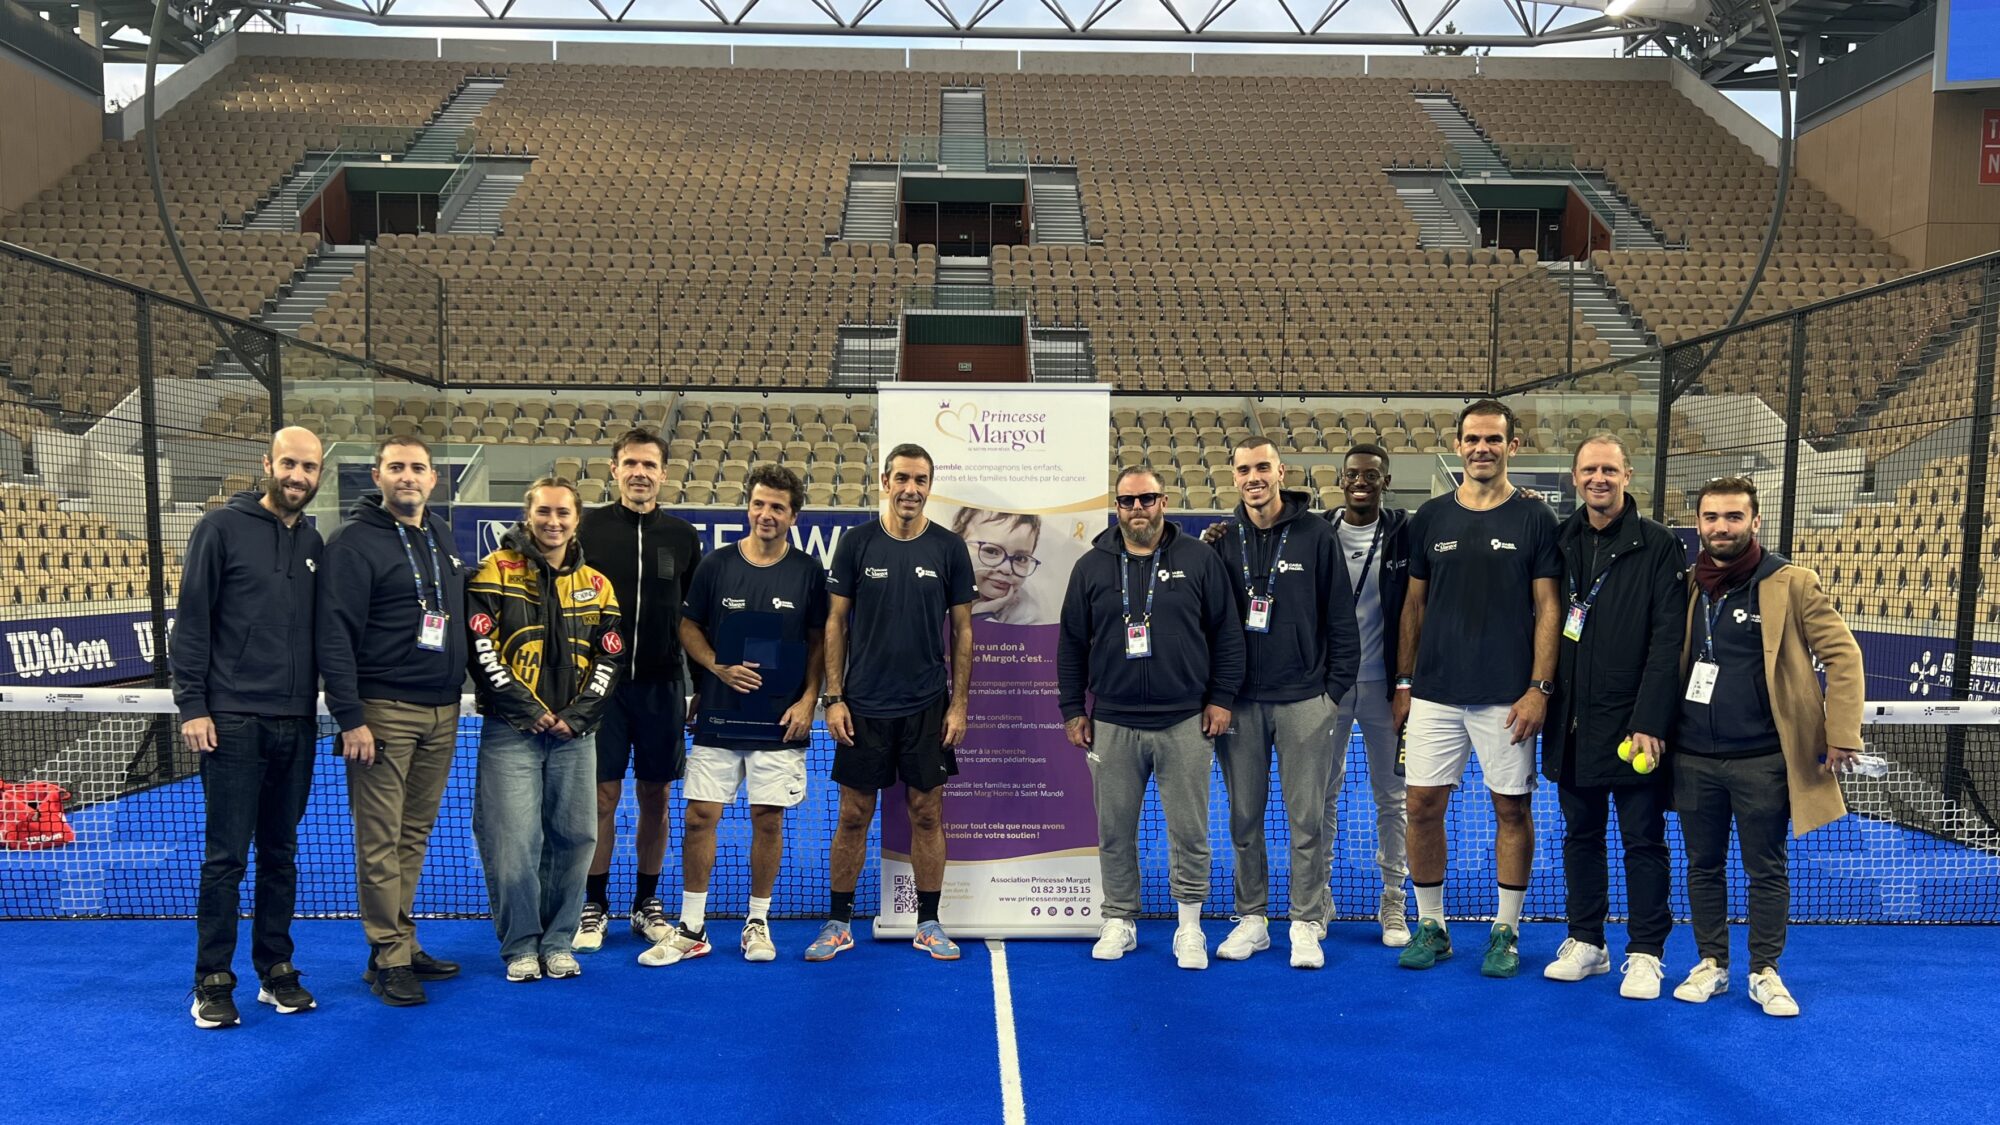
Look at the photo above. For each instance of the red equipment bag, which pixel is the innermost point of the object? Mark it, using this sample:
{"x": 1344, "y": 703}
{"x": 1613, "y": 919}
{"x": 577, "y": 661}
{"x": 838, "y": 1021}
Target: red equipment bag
{"x": 31, "y": 815}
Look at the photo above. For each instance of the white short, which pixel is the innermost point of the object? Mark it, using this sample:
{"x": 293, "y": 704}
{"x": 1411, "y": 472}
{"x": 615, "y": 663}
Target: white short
{"x": 1440, "y": 739}
{"x": 775, "y": 777}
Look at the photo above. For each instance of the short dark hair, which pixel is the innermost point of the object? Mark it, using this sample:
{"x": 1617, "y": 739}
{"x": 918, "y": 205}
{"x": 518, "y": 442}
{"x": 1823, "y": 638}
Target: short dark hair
{"x": 388, "y": 440}
{"x": 779, "y": 479}
{"x": 1133, "y": 471}
{"x": 638, "y": 435}
{"x": 1729, "y": 486}
{"x": 966, "y": 516}
{"x": 1366, "y": 449}
{"x": 908, "y": 449}
{"x": 1485, "y": 407}
{"x": 1252, "y": 441}
{"x": 1601, "y": 437}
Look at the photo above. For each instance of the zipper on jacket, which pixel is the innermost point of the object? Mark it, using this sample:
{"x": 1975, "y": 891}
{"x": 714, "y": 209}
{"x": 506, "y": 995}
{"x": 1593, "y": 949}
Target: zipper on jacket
{"x": 638, "y": 594}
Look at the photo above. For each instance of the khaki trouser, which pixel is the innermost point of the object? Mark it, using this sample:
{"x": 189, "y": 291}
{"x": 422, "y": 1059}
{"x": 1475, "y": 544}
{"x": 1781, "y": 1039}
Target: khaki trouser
{"x": 394, "y": 804}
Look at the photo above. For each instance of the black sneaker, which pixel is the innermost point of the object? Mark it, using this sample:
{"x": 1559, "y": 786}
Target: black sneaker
{"x": 281, "y": 989}
{"x": 398, "y": 987}
{"x": 215, "y": 1001}
{"x": 428, "y": 967}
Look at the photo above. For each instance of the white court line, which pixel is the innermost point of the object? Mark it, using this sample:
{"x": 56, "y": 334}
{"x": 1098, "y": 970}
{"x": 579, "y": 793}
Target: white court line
{"x": 1014, "y": 1109}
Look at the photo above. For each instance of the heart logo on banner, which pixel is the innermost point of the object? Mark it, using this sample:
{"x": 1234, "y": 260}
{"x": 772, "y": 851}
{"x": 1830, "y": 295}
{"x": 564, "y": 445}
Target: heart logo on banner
{"x": 954, "y": 423}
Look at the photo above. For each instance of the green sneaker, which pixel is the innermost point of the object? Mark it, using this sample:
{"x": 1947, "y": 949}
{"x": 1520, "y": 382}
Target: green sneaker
{"x": 1503, "y": 953}
{"x": 1431, "y": 945}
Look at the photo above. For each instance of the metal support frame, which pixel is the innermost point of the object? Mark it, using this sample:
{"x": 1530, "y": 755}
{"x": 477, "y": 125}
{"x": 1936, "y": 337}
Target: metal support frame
{"x": 1795, "y": 396}
{"x": 1972, "y": 521}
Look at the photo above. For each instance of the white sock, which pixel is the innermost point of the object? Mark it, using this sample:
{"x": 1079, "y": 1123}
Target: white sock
{"x": 1510, "y": 907}
{"x": 1190, "y": 915}
{"x": 760, "y": 909}
{"x": 694, "y": 910}
{"x": 1430, "y": 904}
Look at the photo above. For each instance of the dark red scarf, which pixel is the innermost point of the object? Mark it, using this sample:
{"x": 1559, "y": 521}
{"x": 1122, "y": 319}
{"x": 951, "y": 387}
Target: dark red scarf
{"x": 1718, "y": 578}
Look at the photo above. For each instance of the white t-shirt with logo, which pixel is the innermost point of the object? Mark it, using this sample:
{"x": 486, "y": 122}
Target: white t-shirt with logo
{"x": 1354, "y": 543}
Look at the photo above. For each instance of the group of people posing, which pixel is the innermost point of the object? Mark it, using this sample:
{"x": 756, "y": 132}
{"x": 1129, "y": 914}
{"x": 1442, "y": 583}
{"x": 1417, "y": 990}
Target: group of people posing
{"x": 1469, "y": 627}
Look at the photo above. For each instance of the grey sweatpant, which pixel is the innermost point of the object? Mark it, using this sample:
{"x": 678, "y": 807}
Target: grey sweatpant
{"x": 1302, "y": 734}
{"x": 1368, "y": 705}
{"x": 1121, "y": 759}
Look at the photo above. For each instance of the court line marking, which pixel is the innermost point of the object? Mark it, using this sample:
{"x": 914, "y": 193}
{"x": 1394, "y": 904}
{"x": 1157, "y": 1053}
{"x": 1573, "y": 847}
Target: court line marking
{"x": 1014, "y": 1107}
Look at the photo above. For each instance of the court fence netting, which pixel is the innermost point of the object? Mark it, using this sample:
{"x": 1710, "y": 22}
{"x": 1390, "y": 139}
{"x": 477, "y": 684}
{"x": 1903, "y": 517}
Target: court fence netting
{"x": 1867, "y": 420}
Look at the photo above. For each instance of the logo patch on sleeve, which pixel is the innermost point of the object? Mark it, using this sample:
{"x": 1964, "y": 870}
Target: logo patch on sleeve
{"x": 481, "y": 624}
{"x": 613, "y": 643}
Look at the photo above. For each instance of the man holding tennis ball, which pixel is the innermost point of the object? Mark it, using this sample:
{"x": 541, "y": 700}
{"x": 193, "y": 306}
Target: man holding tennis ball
{"x": 1617, "y": 691}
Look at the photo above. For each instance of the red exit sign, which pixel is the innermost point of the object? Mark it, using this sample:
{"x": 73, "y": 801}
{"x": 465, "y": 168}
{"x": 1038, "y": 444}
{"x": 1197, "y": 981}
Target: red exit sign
{"x": 1989, "y": 148}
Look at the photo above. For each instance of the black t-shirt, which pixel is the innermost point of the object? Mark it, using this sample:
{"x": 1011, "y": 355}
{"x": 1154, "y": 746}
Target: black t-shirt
{"x": 1479, "y": 570}
{"x": 760, "y": 614}
{"x": 903, "y": 593}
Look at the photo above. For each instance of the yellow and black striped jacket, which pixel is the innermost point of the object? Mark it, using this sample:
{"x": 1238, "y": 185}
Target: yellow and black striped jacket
{"x": 544, "y": 638}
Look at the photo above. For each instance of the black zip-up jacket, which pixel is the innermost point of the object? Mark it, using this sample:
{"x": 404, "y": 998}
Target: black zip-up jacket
{"x": 1624, "y": 674}
{"x": 243, "y": 635}
{"x": 650, "y": 561}
{"x": 1313, "y": 645}
{"x": 1737, "y": 721}
{"x": 1197, "y": 640}
{"x": 543, "y": 638}
{"x": 1391, "y": 574}
{"x": 369, "y": 617}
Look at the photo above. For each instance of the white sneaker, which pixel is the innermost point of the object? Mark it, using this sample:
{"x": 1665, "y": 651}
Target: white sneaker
{"x": 590, "y": 928}
{"x": 1251, "y": 935}
{"x": 1705, "y": 980}
{"x": 1306, "y": 953}
{"x": 562, "y": 966}
{"x": 524, "y": 968}
{"x": 1642, "y": 977}
{"x": 1191, "y": 947}
{"x": 1576, "y": 960}
{"x": 1394, "y": 915}
{"x": 1770, "y": 993}
{"x": 756, "y": 941}
{"x": 680, "y": 944}
{"x": 1115, "y": 938}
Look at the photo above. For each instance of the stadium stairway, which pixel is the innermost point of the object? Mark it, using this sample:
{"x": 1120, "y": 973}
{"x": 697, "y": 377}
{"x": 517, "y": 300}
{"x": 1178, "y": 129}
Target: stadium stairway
{"x": 438, "y": 140}
{"x": 1061, "y": 355}
{"x": 864, "y": 355}
{"x": 1630, "y": 229}
{"x": 1476, "y": 154}
{"x": 279, "y": 209}
{"x": 1438, "y": 227}
{"x": 303, "y": 296}
{"x": 483, "y": 207}
{"x": 1057, "y": 215}
{"x": 870, "y": 213}
{"x": 962, "y": 129}
{"x": 1610, "y": 316}
{"x": 1936, "y": 347}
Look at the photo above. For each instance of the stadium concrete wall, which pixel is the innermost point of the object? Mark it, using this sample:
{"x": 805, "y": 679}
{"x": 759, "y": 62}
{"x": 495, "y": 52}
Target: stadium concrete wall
{"x": 50, "y": 127}
{"x": 1281, "y": 66}
{"x": 1739, "y": 121}
{"x": 641, "y": 54}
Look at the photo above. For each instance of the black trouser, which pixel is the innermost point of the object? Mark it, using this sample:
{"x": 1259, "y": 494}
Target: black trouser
{"x": 1707, "y": 793}
{"x": 255, "y": 782}
{"x": 1642, "y": 825}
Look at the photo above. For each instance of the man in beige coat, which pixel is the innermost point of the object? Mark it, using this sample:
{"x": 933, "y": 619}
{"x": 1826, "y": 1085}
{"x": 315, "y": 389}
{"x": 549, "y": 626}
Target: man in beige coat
{"x": 1757, "y": 740}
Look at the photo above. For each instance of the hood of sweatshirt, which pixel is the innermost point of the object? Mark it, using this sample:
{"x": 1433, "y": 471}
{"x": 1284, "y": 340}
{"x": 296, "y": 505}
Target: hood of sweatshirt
{"x": 1292, "y": 503}
{"x": 249, "y": 503}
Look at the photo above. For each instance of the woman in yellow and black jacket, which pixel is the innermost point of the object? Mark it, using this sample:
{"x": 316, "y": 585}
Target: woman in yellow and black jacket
{"x": 546, "y": 652}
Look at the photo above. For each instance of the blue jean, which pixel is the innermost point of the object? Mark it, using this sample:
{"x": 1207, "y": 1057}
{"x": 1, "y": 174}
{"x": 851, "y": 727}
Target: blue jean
{"x": 534, "y": 813}
{"x": 255, "y": 783}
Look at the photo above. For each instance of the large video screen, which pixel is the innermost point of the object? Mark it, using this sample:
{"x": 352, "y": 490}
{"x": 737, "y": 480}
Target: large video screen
{"x": 1968, "y": 45}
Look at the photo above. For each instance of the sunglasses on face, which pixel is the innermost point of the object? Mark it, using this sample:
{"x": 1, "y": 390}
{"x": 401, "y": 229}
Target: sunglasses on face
{"x": 1141, "y": 500}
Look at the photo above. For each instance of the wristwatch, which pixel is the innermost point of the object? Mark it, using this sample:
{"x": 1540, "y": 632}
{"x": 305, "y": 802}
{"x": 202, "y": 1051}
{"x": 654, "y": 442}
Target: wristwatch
{"x": 830, "y": 700}
{"x": 1546, "y": 687}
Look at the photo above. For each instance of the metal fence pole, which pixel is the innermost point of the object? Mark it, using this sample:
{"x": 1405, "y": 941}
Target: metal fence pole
{"x": 156, "y": 549}
{"x": 1795, "y": 392}
{"x": 1493, "y": 343}
{"x": 1663, "y": 424}
{"x": 274, "y": 380}
{"x": 1972, "y": 523}
{"x": 442, "y": 306}
{"x": 1569, "y": 319}
{"x": 368, "y": 300}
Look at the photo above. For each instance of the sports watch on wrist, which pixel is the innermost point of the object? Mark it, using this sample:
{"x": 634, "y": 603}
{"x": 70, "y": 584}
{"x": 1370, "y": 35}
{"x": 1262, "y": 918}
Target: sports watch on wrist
{"x": 830, "y": 700}
{"x": 1546, "y": 687}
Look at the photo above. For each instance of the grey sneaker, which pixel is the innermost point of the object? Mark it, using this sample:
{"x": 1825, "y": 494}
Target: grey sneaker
{"x": 1393, "y": 915}
{"x": 561, "y": 966}
{"x": 524, "y": 969}
{"x": 591, "y": 928}
{"x": 650, "y": 921}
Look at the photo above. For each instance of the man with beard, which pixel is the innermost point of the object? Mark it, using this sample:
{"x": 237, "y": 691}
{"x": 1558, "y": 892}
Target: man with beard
{"x": 1150, "y": 636}
{"x": 1758, "y": 739}
{"x": 897, "y": 586}
{"x": 245, "y": 682}
{"x": 392, "y": 653}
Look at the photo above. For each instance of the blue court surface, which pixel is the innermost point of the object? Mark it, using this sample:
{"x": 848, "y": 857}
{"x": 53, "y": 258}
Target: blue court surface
{"x": 1898, "y": 1025}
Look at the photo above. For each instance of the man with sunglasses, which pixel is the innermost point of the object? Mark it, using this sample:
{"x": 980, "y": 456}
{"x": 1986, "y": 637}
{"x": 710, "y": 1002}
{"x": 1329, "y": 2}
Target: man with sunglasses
{"x": 1149, "y": 629}
{"x": 1300, "y": 648}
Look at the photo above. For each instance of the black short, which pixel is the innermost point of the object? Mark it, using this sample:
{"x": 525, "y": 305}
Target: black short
{"x": 644, "y": 728}
{"x": 908, "y": 746}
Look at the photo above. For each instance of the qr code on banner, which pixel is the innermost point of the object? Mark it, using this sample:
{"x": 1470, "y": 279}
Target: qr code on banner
{"x": 906, "y": 894}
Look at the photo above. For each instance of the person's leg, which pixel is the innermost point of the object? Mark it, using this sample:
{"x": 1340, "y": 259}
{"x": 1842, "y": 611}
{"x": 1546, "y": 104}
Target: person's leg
{"x": 1244, "y": 753}
{"x": 569, "y": 837}
{"x": 430, "y": 768}
{"x": 1341, "y": 735}
{"x": 1378, "y": 735}
{"x": 375, "y": 802}
{"x": 232, "y": 780}
{"x": 1642, "y": 824}
{"x": 1586, "y": 878}
{"x": 614, "y": 756}
{"x": 1119, "y": 768}
{"x": 776, "y": 780}
{"x": 653, "y": 833}
{"x": 698, "y": 845}
{"x": 1761, "y": 795}
{"x": 927, "y": 852}
{"x": 1438, "y": 745}
{"x": 1703, "y": 802}
{"x": 287, "y": 786}
{"x": 850, "y": 839}
{"x": 507, "y": 823}
{"x": 1183, "y": 759}
{"x": 659, "y": 758}
{"x": 767, "y": 849}
{"x": 1305, "y": 761}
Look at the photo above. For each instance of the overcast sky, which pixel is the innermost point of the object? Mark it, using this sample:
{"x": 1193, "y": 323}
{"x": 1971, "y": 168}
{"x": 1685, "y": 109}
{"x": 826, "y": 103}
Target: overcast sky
{"x": 124, "y": 82}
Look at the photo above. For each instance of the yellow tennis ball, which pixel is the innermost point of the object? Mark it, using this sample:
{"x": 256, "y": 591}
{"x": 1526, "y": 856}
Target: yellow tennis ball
{"x": 1625, "y": 751}
{"x": 1643, "y": 762}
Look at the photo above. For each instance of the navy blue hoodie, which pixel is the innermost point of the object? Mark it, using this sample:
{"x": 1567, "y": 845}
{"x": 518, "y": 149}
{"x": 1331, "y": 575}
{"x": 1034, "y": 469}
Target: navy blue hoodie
{"x": 1313, "y": 646}
{"x": 1197, "y": 638}
{"x": 243, "y": 635}
{"x": 1391, "y": 574}
{"x": 369, "y": 615}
